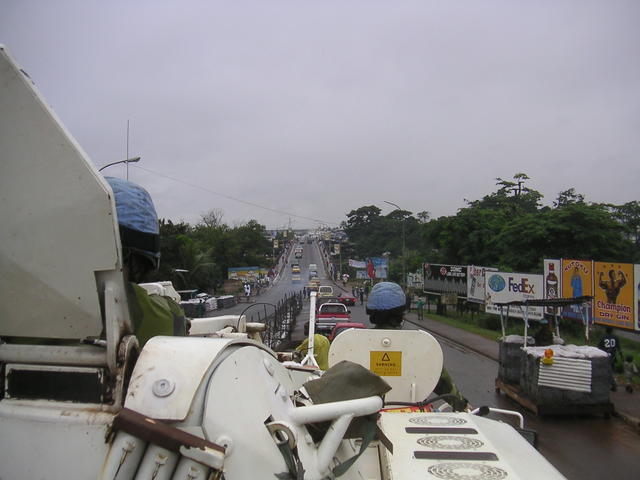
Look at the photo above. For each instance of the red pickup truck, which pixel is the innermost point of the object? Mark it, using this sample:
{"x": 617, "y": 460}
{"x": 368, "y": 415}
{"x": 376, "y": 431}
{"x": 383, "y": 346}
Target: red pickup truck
{"x": 327, "y": 316}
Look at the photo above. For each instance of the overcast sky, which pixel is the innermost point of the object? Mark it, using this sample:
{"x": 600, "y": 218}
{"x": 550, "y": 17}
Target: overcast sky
{"x": 314, "y": 108}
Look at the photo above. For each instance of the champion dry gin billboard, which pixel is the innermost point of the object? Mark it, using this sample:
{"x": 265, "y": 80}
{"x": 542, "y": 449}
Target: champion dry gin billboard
{"x": 614, "y": 294}
{"x": 503, "y": 287}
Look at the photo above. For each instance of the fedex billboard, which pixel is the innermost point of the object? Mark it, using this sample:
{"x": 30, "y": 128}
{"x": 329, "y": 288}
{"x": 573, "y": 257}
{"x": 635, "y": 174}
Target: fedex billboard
{"x": 503, "y": 287}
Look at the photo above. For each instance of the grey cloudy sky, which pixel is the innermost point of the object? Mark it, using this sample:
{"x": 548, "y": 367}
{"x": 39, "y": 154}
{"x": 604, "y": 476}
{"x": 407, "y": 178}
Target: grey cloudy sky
{"x": 319, "y": 107}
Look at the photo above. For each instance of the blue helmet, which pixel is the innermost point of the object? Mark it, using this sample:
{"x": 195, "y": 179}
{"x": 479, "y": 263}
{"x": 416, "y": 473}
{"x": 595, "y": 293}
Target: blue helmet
{"x": 137, "y": 218}
{"x": 386, "y": 296}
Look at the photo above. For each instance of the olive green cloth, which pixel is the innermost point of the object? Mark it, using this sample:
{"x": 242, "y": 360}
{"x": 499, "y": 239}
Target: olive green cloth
{"x": 346, "y": 381}
{"x": 154, "y": 315}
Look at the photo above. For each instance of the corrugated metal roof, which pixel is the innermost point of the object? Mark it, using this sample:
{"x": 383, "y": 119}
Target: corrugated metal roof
{"x": 567, "y": 374}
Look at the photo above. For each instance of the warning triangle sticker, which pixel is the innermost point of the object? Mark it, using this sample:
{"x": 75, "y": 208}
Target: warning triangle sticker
{"x": 385, "y": 358}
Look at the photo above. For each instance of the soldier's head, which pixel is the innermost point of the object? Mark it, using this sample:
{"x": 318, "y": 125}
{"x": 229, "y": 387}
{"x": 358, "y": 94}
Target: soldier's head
{"x": 386, "y": 305}
{"x": 139, "y": 229}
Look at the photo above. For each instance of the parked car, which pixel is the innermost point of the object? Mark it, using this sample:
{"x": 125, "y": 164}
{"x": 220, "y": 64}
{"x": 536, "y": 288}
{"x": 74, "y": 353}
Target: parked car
{"x": 341, "y": 327}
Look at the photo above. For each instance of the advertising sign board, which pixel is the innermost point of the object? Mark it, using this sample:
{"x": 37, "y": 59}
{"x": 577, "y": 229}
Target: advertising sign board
{"x": 614, "y": 294}
{"x": 361, "y": 274}
{"x": 503, "y": 287}
{"x": 377, "y": 267}
{"x": 357, "y": 264}
{"x": 475, "y": 282}
{"x": 577, "y": 280}
{"x": 246, "y": 273}
{"x": 445, "y": 278}
{"x": 552, "y": 284}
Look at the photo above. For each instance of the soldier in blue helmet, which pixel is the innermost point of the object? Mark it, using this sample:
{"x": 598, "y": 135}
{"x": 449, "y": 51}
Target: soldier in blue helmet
{"x": 140, "y": 238}
{"x": 386, "y": 306}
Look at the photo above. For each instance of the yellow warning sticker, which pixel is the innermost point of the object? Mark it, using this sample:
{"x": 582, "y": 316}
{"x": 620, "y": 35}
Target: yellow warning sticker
{"x": 386, "y": 364}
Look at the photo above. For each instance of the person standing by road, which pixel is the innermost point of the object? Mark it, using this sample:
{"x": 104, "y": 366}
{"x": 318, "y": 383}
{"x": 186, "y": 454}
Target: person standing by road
{"x": 610, "y": 343}
{"x": 361, "y": 295}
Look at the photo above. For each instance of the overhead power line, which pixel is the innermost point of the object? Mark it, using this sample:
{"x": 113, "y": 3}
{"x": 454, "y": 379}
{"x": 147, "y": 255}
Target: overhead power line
{"x": 229, "y": 197}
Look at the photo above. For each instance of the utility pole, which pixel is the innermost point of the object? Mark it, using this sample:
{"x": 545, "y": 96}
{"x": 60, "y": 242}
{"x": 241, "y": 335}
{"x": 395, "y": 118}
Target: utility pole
{"x": 404, "y": 261}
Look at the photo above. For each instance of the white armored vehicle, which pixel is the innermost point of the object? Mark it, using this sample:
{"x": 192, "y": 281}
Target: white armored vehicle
{"x": 80, "y": 401}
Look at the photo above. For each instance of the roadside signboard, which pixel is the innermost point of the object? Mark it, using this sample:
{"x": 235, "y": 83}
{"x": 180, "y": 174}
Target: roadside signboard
{"x": 361, "y": 274}
{"x": 552, "y": 284}
{"x": 614, "y": 294}
{"x": 503, "y": 287}
{"x": 577, "y": 280}
{"x": 377, "y": 267}
{"x": 246, "y": 273}
{"x": 445, "y": 278}
{"x": 357, "y": 264}
{"x": 475, "y": 282}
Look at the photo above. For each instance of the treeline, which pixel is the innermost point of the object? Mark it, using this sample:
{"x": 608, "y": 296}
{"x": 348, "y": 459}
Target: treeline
{"x": 197, "y": 257}
{"x": 508, "y": 229}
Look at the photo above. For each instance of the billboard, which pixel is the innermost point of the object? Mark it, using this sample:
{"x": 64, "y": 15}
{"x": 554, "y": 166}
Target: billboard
{"x": 361, "y": 274}
{"x": 475, "y": 282}
{"x": 552, "y": 284}
{"x": 614, "y": 294}
{"x": 503, "y": 287}
{"x": 357, "y": 264}
{"x": 246, "y": 273}
{"x": 377, "y": 267}
{"x": 577, "y": 280}
{"x": 445, "y": 278}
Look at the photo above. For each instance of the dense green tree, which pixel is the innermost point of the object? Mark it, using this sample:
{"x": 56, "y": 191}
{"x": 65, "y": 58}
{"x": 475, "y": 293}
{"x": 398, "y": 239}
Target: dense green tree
{"x": 508, "y": 229}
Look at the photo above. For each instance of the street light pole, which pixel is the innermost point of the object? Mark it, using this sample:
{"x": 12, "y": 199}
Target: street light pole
{"x": 127, "y": 161}
{"x": 404, "y": 273}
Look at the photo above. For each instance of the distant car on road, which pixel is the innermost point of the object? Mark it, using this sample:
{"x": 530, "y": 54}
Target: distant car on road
{"x": 295, "y": 278}
{"x": 328, "y": 315}
{"x": 348, "y": 299}
{"x": 341, "y": 327}
{"x": 295, "y": 269}
{"x": 325, "y": 291}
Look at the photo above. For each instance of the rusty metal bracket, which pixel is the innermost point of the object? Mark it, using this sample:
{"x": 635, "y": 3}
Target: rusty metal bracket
{"x": 171, "y": 438}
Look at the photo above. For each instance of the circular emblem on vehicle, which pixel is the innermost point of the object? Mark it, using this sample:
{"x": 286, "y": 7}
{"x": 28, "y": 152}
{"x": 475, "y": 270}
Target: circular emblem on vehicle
{"x": 497, "y": 283}
{"x": 466, "y": 471}
{"x": 450, "y": 442}
{"x": 437, "y": 420}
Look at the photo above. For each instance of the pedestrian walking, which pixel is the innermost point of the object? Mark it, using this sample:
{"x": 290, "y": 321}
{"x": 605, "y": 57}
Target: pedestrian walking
{"x": 361, "y": 295}
{"x": 420, "y": 307}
